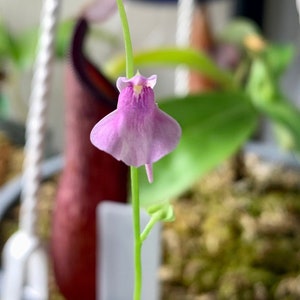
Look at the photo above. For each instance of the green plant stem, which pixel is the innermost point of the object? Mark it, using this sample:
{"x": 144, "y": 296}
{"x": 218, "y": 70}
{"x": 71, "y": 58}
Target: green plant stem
{"x": 127, "y": 40}
{"x": 154, "y": 219}
{"x": 136, "y": 230}
{"x": 133, "y": 170}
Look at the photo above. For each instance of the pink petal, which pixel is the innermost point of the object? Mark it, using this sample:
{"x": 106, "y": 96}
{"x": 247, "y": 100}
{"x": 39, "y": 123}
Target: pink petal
{"x": 106, "y": 135}
{"x": 166, "y": 135}
{"x": 136, "y": 140}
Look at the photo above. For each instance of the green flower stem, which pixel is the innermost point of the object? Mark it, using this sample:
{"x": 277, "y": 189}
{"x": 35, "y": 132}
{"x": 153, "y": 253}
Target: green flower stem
{"x": 136, "y": 230}
{"x": 127, "y": 40}
{"x": 154, "y": 219}
{"x": 133, "y": 170}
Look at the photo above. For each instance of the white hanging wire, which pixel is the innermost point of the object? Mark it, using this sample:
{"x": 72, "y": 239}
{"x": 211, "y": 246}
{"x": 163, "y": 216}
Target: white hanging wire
{"x": 36, "y": 120}
{"x": 298, "y": 8}
{"x": 24, "y": 259}
{"x": 183, "y": 34}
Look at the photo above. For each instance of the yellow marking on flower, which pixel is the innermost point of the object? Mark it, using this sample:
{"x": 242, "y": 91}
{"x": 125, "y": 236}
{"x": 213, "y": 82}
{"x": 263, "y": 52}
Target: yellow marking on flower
{"x": 255, "y": 42}
{"x": 137, "y": 89}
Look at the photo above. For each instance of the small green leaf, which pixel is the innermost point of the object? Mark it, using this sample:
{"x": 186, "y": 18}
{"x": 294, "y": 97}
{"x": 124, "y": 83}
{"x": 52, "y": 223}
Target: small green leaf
{"x": 8, "y": 45}
{"x": 63, "y": 38}
{"x": 278, "y": 58}
{"x": 193, "y": 59}
{"x": 214, "y": 126}
{"x": 261, "y": 85}
{"x": 285, "y": 118}
{"x": 162, "y": 212}
{"x": 27, "y": 44}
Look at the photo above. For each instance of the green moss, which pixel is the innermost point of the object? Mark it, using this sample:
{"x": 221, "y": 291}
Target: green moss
{"x": 248, "y": 241}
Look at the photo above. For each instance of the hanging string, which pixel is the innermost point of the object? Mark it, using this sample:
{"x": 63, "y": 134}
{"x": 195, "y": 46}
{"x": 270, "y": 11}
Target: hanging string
{"x": 184, "y": 27}
{"x": 298, "y": 8}
{"x": 36, "y": 120}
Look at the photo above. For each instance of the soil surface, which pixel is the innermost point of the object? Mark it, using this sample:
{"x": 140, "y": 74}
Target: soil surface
{"x": 230, "y": 240}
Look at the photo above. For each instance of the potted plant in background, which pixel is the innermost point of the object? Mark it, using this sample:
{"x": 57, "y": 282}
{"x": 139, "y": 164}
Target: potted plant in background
{"x": 215, "y": 126}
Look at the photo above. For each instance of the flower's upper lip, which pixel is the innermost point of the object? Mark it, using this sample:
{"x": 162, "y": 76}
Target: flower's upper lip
{"x": 136, "y": 80}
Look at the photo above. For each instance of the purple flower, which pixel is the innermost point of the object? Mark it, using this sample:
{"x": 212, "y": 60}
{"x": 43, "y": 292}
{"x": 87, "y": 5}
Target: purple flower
{"x": 137, "y": 132}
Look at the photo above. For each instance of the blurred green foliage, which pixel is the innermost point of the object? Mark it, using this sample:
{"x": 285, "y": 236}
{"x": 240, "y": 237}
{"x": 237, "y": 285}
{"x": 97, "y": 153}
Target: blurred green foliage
{"x": 18, "y": 52}
{"x": 214, "y": 126}
{"x": 217, "y": 124}
{"x": 19, "y": 49}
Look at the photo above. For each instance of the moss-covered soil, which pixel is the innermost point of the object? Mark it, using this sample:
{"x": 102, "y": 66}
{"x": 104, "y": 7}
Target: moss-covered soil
{"x": 230, "y": 240}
